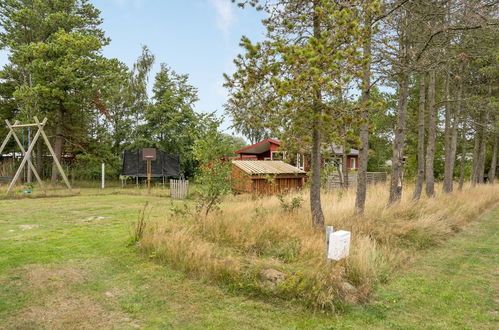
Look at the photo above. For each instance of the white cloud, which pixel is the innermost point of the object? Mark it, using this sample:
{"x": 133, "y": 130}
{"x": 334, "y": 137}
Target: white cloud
{"x": 225, "y": 15}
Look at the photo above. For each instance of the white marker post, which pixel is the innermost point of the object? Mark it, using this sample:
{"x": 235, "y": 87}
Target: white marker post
{"x": 329, "y": 230}
{"x": 103, "y": 183}
{"x": 339, "y": 245}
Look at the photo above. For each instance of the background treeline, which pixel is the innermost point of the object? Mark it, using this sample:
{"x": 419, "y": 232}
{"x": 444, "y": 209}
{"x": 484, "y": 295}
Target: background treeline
{"x": 412, "y": 82}
{"x": 96, "y": 106}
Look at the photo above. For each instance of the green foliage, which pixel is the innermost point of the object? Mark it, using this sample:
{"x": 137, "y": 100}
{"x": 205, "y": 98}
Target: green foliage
{"x": 170, "y": 121}
{"x": 291, "y": 205}
{"x": 214, "y": 174}
{"x": 139, "y": 227}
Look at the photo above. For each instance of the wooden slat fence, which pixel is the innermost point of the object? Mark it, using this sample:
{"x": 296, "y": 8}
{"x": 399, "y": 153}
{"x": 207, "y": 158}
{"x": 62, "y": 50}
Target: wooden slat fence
{"x": 179, "y": 188}
{"x": 334, "y": 181}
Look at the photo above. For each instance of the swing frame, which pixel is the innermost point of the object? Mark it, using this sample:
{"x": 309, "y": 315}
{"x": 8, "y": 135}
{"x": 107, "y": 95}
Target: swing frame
{"x": 27, "y": 153}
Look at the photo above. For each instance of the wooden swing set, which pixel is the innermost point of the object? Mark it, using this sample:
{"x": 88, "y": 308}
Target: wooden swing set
{"x": 27, "y": 153}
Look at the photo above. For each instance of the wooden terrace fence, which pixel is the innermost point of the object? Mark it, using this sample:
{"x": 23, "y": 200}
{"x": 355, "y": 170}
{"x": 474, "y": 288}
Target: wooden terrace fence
{"x": 179, "y": 188}
{"x": 334, "y": 181}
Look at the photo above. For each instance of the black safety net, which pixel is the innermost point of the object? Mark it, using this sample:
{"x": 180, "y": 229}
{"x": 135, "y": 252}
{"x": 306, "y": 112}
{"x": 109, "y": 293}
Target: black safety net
{"x": 165, "y": 165}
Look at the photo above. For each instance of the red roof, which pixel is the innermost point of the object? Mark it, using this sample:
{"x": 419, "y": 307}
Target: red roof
{"x": 259, "y": 147}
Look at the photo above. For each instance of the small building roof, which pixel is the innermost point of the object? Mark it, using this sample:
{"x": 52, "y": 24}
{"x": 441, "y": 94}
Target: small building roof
{"x": 338, "y": 150}
{"x": 258, "y": 148}
{"x": 262, "y": 167}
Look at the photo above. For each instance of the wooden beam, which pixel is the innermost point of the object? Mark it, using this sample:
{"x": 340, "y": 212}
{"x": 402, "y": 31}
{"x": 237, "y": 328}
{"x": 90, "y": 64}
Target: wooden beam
{"x": 30, "y": 163}
{"x": 49, "y": 146}
{"x": 25, "y": 158}
{"x": 24, "y": 125}
{"x": 5, "y": 141}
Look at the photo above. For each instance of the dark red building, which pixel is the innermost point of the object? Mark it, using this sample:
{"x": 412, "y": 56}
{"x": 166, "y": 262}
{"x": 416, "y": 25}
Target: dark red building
{"x": 262, "y": 150}
{"x": 269, "y": 150}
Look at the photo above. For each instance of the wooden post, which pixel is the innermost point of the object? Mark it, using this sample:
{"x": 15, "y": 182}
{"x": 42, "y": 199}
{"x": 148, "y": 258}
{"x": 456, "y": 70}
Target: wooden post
{"x": 103, "y": 183}
{"x": 25, "y": 158}
{"x": 49, "y": 146}
{"x": 30, "y": 164}
{"x": 149, "y": 170}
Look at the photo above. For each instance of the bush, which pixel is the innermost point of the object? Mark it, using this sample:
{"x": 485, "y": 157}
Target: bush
{"x": 231, "y": 249}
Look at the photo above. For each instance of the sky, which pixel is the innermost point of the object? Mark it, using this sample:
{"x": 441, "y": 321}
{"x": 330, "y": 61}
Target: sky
{"x": 195, "y": 37}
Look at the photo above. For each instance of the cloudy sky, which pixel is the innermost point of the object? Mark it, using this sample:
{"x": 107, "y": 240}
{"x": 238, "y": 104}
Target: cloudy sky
{"x": 197, "y": 37}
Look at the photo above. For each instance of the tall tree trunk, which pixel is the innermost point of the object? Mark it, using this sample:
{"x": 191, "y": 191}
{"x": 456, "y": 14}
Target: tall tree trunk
{"x": 396, "y": 182}
{"x": 432, "y": 130}
{"x": 398, "y": 142}
{"x": 476, "y": 153}
{"x": 464, "y": 143}
{"x": 421, "y": 135}
{"x": 481, "y": 155}
{"x": 448, "y": 166}
{"x": 29, "y": 175}
{"x": 315, "y": 186}
{"x": 360, "y": 198}
{"x": 39, "y": 157}
{"x": 451, "y": 160}
{"x": 59, "y": 140}
{"x": 493, "y": 163}
{"x": 344, "y": 166}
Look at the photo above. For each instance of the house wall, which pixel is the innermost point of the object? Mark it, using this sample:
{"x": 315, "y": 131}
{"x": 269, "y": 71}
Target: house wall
{"x": 263, "y": 155}
{"x": 279, "y": 184}
{"x": 241, "y": 181}
{"x": 244, "y": 183}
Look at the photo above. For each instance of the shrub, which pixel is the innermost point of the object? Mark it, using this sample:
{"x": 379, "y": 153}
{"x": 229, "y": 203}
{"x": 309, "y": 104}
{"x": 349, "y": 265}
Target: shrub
{"x": 232, "y": 248}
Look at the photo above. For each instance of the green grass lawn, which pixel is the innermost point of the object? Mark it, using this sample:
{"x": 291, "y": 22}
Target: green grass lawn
{"x": 65, "y": 263}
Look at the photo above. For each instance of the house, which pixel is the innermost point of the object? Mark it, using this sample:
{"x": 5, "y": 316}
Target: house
{"x": 269, "y": 149}
{"x": 265, "y": 177}
{"x": 263, "y": 150}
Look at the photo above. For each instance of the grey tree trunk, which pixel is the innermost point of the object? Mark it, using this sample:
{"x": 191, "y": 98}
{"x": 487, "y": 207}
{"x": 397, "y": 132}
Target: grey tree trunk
{"x": 476, "y": 153}
{"x": 39, "y": 157}
{"x": 448, "y": 170}
{"x": 481, "y": 156}
{"x": 344, "y": 166}
{"x": 397, "y": 175}
{"x": 450, "y": 160}
{"x": 421, "y": 137}
{"x": 463, "y": 158}
{"x": 315, "y": 186}
{"x": 398, "y": 143}
{"x": 59, "y": 140}
{"x": 360, "y": 198}
{"x": 493, "y": 163}
{"x": 29, "y": 175}
{"x": 432, "y": 128}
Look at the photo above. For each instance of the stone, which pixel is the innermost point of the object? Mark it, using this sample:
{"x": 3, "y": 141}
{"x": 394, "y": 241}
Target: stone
{"x": 348, "y": 288}
{"x": 350, "y": 293}
{"x": 272, "y": 276}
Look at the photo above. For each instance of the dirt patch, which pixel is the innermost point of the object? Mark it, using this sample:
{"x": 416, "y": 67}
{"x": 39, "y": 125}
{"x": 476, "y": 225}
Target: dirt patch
{"x": 55, "y": 304}
{"x": 69, "y": 312}
{"x": 91, "y": 219}
{"x": 48, "y": 276}
{"x": 27, "y": 227}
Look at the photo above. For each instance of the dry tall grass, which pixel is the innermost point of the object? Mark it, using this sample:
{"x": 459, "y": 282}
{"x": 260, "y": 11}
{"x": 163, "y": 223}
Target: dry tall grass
{"x": 254, "y": 234}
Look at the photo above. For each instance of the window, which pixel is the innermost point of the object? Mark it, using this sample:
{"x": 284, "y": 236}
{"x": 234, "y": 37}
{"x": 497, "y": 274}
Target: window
{"x": 353, "y": 163}
{"x": 277, "y": 155}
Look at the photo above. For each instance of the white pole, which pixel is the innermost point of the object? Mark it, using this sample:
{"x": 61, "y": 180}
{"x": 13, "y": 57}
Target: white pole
{"x": 103, "y": 175}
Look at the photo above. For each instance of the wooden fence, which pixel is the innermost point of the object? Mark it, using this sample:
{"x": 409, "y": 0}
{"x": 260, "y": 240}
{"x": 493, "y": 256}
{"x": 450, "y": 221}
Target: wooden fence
{"x": 179, "y": 188}
{"x": 335, "y": 181}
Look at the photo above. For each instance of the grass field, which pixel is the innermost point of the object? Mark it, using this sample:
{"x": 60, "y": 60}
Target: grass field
{"x": 66, "y": 263}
